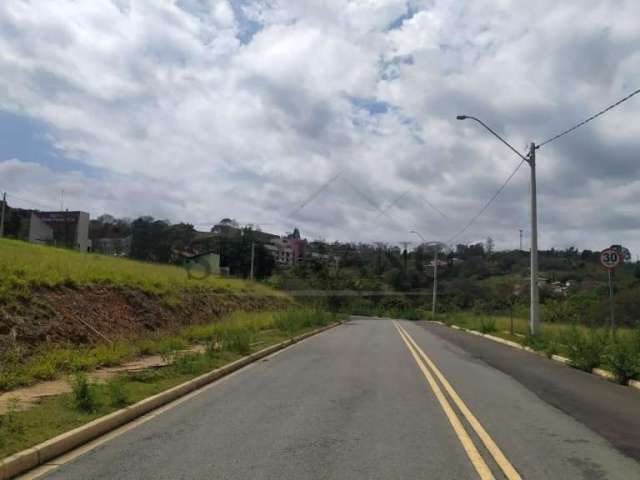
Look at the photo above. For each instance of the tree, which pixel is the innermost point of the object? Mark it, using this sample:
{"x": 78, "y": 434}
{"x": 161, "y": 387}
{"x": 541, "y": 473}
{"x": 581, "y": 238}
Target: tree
{"x": 489, "y": 245}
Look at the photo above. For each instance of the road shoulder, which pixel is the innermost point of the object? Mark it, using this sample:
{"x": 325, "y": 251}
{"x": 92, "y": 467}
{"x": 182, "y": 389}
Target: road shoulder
{"x": 607, "y": 409}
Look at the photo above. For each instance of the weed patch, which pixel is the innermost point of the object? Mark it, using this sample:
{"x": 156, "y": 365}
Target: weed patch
{"x": 586, "y": 350}
{"x": 84, "y": 397}
{"x": 622, "y": 357}
{"x": 117, "y": 393}
{"x": 487, "y": 324}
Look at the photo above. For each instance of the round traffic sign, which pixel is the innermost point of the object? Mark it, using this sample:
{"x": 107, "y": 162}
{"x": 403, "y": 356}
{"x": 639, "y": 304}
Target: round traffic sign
{"x": 610, "y": 258}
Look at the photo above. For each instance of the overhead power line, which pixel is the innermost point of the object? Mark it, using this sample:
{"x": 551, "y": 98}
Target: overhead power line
{"x": 442, "y": 214}
{"x": 592, "y": 117}
{"x": 317, "y": 192}
{"x": 367, "y": 198}
{"x": 392, "y": 204}
{"x": 486, "y": 205}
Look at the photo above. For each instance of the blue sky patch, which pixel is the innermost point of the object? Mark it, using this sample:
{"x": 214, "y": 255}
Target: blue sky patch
{"x": 374, "y": 107}
{"x": 30, "y": 140}
{"x": 408, "y": 15}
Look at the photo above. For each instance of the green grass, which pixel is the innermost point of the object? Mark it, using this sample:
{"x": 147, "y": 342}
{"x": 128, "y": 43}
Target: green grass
{"x": 586, "y": 347}
{"x": 25, "y": 267}
{"x": 55, "y": 415}
{"x": 236, "y": 332}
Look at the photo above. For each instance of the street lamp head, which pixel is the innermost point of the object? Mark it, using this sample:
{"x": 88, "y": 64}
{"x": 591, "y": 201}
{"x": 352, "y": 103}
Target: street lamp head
{"x": 461, "y": 117}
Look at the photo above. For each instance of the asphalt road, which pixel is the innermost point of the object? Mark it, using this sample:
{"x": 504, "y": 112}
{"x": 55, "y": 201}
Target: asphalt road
{"x": 361, "y": 401}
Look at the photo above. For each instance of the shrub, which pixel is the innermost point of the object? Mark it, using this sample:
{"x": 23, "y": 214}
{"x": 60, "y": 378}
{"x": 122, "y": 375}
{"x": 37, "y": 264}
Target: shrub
{"x": 189, "y": 364}
{"x": 118, "y": 394}
{"x": 111, "y": 355}
{"x": 236, "y": 339}
{"x": 560, "y": 311}
{"x": 487, "y": 324}
{"x": 42, "y": 368}
{"x": 586, "y": 350}
{"x": 543, "y": 342}
{"x": 84, "y": 396}
{"x": 410, "y": 314}
{"x": 622, "y": 356}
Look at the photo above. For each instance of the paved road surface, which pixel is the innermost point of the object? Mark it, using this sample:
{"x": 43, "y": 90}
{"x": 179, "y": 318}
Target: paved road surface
{"x": 361, "y": 401}
{"x": 612, "y": 411}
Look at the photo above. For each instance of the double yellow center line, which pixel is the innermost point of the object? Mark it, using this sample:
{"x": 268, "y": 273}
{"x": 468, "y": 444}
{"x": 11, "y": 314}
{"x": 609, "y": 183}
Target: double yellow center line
{"x": 431, "y": 372}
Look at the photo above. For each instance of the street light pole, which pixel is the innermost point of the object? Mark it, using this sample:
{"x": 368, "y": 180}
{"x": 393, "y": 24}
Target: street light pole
{"x": 435, "y": 271}
{"x": 253, "y": 257}
{"x": 534, "y": 315}
{"x": 435, "y": 283}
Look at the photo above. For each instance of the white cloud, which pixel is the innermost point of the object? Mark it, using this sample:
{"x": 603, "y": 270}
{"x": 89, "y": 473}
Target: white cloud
{"x": 184, "y": 118}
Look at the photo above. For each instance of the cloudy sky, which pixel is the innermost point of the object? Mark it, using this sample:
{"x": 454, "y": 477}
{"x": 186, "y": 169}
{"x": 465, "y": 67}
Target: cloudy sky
{"x": 335, "y": 116}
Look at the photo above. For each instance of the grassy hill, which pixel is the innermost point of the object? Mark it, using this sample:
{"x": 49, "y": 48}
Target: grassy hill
{"x": 53, "y": 296}
{"x": 25, "y": 267}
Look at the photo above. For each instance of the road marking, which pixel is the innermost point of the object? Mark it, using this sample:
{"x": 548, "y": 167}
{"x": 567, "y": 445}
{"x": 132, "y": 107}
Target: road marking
{"x": 502, "y": 461}
{"x": 472, "y": 452}
{"x": 41, "y": 470}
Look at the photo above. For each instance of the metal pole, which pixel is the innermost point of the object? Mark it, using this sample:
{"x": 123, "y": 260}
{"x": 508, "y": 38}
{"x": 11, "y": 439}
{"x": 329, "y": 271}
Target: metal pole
{"x": 520, "y": 239}
{"x": 253, "y": 257}
{"x": 534, "y": 319}
{"x": 4, "y": 202}
{"x": 612, "y": 317}
{"x": 435, "y": 284}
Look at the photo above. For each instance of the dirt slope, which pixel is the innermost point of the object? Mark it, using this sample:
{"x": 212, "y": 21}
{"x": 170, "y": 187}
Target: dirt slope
{"x": 85, "y": 315}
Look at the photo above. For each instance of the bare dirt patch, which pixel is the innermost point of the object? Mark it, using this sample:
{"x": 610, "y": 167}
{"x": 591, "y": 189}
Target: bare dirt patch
{"x": 92, "y": 315}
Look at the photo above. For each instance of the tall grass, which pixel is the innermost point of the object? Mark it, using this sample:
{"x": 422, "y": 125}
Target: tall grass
{"x": 236, "y": 333}
{"x": 25, "y": 266}
{"x": 585, "y": 347}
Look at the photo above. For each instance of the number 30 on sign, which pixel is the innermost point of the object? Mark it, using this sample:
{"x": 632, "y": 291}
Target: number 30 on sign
{"x": 610, "y": 258}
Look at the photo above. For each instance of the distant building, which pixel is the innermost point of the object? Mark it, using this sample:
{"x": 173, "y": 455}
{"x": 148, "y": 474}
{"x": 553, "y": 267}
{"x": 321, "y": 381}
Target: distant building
{"x": 281, "y": 250}
{"x": 35, "y": 230}
{"x": 287, "y": 250}
{"x": 120, "y": 247}
{"x": 63, "y": 229}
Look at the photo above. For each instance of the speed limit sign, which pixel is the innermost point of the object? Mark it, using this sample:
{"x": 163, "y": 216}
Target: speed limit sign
{"x": 610, "y": 258}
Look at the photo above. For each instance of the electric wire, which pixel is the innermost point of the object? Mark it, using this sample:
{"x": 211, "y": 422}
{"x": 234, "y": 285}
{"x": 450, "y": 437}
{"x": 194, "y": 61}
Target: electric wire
{"x": 592, "y": 117}
{"x": 486, "y": 205}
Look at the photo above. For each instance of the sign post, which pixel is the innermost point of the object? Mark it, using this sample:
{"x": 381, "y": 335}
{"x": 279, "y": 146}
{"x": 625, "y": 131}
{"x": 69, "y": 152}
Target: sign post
{"x": 610, "y": 258}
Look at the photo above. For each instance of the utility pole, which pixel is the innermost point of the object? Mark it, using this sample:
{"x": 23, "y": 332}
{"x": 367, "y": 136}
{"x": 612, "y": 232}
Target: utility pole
{"x": 4, "y": 203}
{"x": 612, "y": 317}
{"x": 534, "y": 318}
{"x": 435, "y": 283}
{"x": 404, "y": 255}
{"x": 253, "y": 257}
{"x": 436, "y": 247}
{"x": 520, "y": 239}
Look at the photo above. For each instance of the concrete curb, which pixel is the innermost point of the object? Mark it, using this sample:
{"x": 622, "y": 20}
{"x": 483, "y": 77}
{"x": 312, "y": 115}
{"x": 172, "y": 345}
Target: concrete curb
{"x": 600, "y": 372}
{"x": 33, "y": 457}
{"x": 606, "y": 374}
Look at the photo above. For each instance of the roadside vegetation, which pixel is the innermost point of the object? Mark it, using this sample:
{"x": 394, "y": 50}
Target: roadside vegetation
{"x": 26, "y": 267}
{"x": 586, "y": 347}
{"x": 225, "y": 341}
{"x": 236, "y": 333}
